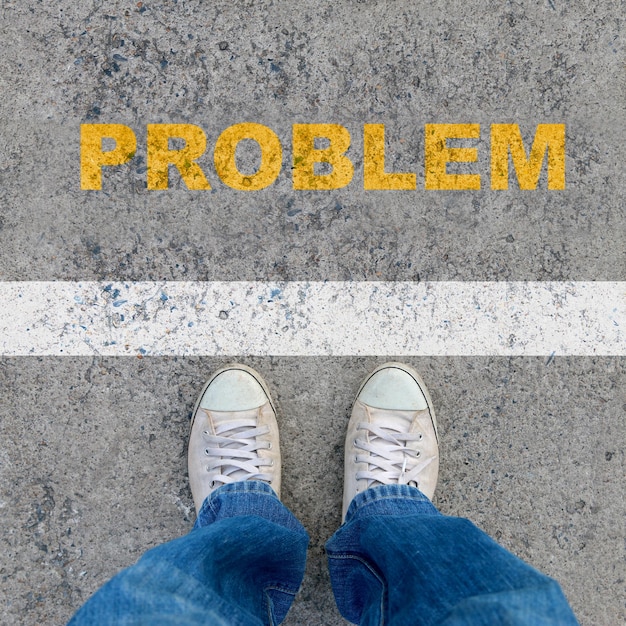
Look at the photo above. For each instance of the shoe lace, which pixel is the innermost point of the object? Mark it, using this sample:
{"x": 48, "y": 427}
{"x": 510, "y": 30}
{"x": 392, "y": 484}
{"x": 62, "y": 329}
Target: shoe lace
{"x": 232, "y": 452}
{"x": 389, "y": 459}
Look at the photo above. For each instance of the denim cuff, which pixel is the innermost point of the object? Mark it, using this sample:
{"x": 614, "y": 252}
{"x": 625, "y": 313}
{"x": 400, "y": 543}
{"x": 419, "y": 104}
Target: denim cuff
{"x": 242, "y": 486}
{"x": 390, "y": 500}
{"x": 249, "y": 497}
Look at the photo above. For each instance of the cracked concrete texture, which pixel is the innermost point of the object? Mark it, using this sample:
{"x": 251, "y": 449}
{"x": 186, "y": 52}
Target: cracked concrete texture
{"x": 92, "y": 458}
{"x": 94, "y": 469}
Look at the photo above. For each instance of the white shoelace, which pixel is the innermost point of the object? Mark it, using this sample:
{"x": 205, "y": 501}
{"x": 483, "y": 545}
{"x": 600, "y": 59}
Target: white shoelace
{"x": 232, "y": 452}
{"x": 389, "y": 460}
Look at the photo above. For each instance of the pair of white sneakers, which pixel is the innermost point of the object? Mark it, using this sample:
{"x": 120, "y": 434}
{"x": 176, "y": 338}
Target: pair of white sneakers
{"x": 392, "y": 434}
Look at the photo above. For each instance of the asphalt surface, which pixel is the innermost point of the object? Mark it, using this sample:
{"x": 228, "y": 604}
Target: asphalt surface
{"x": 92, "y": 452}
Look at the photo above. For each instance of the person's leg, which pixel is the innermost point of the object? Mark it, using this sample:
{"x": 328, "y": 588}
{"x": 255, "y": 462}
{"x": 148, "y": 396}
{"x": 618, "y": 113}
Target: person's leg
{"x": 243, "y": 566}
{"x": 244, "y": 560}
{"x": 396, "y": 560}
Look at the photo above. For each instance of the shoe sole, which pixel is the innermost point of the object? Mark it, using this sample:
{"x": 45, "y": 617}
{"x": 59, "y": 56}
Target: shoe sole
{"x": 232, "y": 366}
{"x": 412, "y": 372}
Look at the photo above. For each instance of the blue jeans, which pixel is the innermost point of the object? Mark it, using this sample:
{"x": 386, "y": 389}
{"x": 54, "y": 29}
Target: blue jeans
{"x": 396, "y": 560}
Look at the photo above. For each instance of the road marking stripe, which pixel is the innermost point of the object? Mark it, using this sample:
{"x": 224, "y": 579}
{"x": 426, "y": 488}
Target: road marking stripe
{"x": 312, "y": 318}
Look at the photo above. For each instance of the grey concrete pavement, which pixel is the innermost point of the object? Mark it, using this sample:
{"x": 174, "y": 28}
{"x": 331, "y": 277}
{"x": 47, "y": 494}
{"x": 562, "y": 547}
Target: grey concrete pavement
{"x": 92, "y": 450}
{"x": 94, "y": 467}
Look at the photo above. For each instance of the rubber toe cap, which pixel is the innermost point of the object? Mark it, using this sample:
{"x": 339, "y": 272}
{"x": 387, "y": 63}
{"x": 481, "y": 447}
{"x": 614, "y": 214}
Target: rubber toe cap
{"x": 233, "y": 390}
{"x": 393, "y": 388}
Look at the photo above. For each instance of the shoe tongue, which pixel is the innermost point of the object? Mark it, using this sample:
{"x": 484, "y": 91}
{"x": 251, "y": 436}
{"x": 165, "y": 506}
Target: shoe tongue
{"x": 395, "y": 422}
{"x": 220, "y": 418}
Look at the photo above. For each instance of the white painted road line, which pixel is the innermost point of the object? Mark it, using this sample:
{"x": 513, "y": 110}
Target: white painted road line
{"x": 312, "y": 318}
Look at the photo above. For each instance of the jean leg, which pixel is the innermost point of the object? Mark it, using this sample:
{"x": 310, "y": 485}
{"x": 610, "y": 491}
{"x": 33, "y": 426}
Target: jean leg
{"x": 242, "y": 564}
{"x": 396, "y": 560}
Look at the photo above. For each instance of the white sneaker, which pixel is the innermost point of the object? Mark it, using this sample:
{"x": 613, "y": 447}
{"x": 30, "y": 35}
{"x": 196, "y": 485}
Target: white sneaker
{"x": 392, "y": 435}
{"x": 234, "y": 434}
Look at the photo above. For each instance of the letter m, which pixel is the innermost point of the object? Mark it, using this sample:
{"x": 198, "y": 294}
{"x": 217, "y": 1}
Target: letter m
{"x": 506, "y": 139}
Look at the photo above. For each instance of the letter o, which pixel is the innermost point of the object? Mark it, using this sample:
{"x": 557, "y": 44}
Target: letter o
{"x": 271, "y": 156}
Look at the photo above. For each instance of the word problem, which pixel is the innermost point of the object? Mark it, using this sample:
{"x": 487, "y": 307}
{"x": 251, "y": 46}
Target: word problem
{"x": 506, "y": 146}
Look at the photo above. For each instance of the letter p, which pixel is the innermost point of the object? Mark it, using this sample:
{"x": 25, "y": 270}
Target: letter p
{"x": 93, "y": 157}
